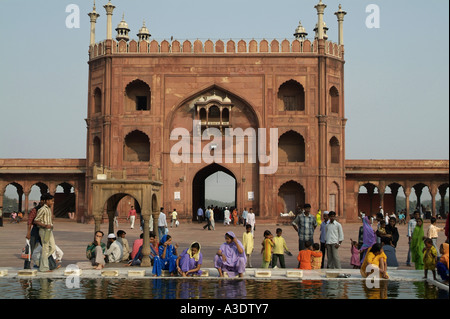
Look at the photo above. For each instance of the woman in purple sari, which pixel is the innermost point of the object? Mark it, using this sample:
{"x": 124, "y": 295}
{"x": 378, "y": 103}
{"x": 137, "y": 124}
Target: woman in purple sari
{"x": 369, "y": 236}
{"x": 190, "y": 261}
{"x": 230, "y": 260}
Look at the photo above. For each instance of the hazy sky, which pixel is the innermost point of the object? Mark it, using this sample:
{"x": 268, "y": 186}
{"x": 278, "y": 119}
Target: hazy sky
{"x": 396, "y": 76}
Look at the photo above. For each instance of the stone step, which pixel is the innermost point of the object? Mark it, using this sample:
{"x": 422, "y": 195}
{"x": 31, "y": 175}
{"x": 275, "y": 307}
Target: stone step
{"x": 263, "y": 274}
{"x": 294, "y": 274}
{"x": 110, "y": 273}
{"x": 27, "y": 273}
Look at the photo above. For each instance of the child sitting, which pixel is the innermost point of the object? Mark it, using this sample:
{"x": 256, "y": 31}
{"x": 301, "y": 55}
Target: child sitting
{"x": 316, "y": 262}
{"x": 304, "y": 256}
{"x": 442, "y": 265}
{"x": 375, "y": 260}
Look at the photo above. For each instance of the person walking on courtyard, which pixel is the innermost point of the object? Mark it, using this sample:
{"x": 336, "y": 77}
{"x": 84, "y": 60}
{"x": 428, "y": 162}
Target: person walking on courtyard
{"x": 44, "y": 217}
{"x": 208, "y": 218}
{"x": 227, "y": 219}
{"x": 162, "y": 224}
{"x": 200, "y": 215}
{"x": 305, "y": 224}
{"x": 174, "y": 217}
{"x": 132, "y": 216}
{"x": 333, "y": 238}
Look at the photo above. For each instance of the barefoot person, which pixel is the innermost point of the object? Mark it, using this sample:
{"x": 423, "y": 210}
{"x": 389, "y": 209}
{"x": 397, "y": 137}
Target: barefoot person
{"x": 230, "y": 258}
{"x": 190, "y": 261}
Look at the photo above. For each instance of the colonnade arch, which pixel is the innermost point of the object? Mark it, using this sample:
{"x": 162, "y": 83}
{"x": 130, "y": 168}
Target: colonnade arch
{"x": 383, "y": 194}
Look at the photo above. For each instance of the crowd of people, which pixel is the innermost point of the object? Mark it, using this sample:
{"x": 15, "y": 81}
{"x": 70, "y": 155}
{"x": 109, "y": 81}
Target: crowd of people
{"x": 375, "y": 248}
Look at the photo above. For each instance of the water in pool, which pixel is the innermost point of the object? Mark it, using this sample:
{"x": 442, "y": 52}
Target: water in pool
{"x": 105, "y": 288}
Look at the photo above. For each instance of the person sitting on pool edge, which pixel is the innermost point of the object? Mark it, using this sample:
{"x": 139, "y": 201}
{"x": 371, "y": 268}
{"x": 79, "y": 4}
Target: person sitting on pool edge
{"x": 166, "y": 260}
{"x": 230, "y": 258}
{"x": 376, "y": 259}
{"x": 190, "y": 261}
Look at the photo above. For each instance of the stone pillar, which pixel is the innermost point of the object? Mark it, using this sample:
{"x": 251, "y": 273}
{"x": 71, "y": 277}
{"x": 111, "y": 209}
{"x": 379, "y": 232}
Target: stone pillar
{"x": 146, "y": 262}
{"x": 109, "y": 12}
{"x": 320, "y": 7}
{"x": 407, "y": 191}
{"x": 442, "y": 192}
{"x": 418, "y": 189}
{"x": 25, "y": 209}
{"x": 433, "y": 192}
{"x": 381, "y": 191}
{"x": 98, "y": 221}
{"x": 340, "y": 15}
{"x": 93, "y": 15}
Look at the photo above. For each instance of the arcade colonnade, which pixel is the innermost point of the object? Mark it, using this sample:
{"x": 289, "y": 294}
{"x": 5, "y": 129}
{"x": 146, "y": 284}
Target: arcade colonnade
{"x": 384, "y": 180}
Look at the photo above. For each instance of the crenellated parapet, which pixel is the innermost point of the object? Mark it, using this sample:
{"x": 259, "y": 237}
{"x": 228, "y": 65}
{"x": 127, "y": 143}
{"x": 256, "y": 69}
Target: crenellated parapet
{"x": 263, "y": 46}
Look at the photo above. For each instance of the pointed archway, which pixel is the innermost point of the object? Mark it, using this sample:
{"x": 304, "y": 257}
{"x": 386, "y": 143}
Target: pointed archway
{"x": 199, "y": 186}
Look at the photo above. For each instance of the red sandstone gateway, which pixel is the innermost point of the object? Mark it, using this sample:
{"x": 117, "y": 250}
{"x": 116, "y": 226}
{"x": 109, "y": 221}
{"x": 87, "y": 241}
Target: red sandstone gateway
{"x": 141, "y": 90}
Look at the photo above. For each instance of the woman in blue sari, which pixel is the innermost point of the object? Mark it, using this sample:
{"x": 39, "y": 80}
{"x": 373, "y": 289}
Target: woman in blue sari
{"x": 167, "y": 258}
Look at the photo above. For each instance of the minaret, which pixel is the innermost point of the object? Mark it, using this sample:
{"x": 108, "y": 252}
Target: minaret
{"x": 109, "y": 12}
{"x": 325, "y": 29}
{"x": 122, "y": 30}
{"x": 144, "y": 33}
{"x": 340, "y": 15}
{"x": 93, "y": 15}
{"x": 300, "y": 33}
{"x": 320, "y": 7}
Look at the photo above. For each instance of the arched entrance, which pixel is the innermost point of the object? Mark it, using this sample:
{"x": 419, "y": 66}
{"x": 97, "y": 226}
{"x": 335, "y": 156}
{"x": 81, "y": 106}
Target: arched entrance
{"x": 291, "y": 195}
{"x": 216, "y": 192}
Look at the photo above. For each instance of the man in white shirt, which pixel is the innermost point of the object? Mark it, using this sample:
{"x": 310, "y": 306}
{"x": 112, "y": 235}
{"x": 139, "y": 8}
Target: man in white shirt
{"x": 162, "y": 224}
{"x": 114, "y": 252}
{"x": 251, "y": 220}
{"x": 334, "y": 237}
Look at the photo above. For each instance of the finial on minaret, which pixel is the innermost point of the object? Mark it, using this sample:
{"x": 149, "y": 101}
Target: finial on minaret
{"x": 122, "y": 30}
{"x": 94, "y": 16}
{"x": 300, "y": 32}
{"x": 340, "y": 15}
{"x": 109, "y": 7}
{"x": 320, "y": 7}
{"x": 144, "y": 33}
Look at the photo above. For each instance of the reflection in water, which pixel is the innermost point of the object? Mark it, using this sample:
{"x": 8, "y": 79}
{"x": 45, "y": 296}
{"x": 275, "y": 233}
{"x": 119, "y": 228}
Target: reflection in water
{"x": 149, "y": 288}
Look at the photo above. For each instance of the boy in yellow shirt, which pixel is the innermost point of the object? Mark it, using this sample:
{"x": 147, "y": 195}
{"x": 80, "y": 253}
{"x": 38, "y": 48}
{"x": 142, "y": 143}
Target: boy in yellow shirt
{"x": 279, "y": 248}
{"x": 248, "y": 242}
